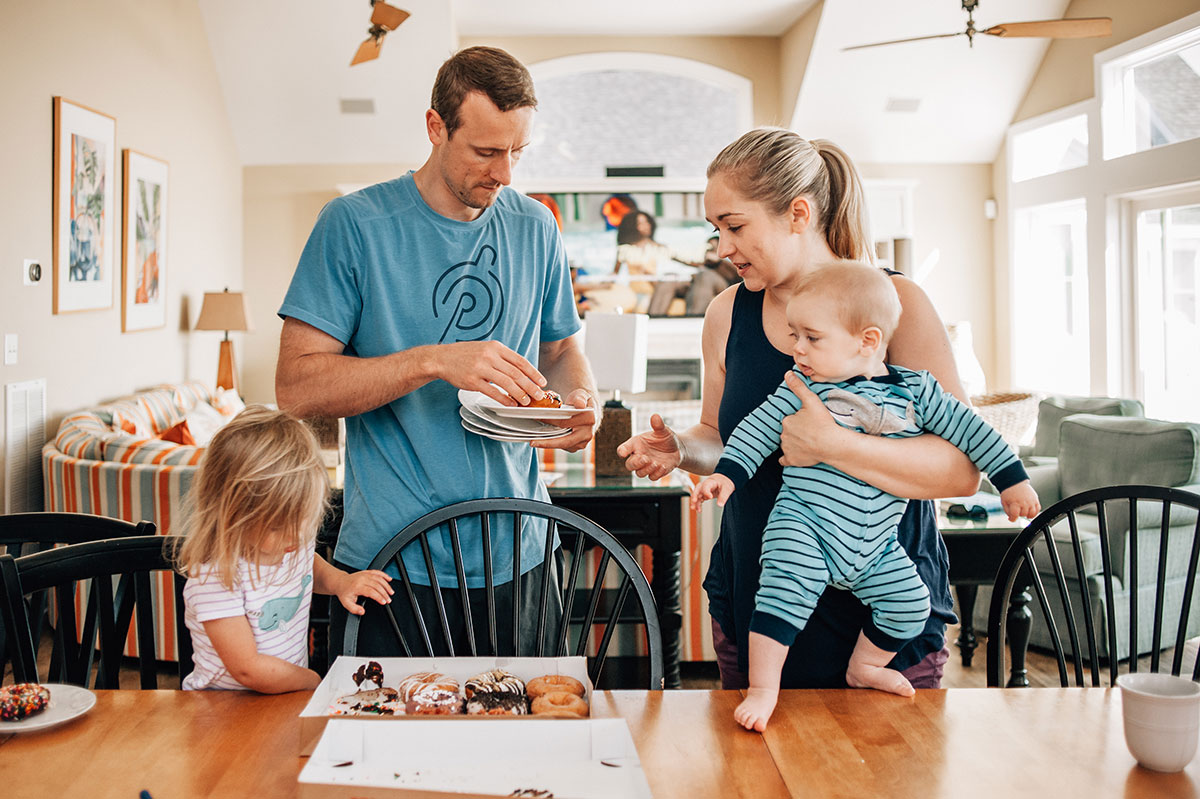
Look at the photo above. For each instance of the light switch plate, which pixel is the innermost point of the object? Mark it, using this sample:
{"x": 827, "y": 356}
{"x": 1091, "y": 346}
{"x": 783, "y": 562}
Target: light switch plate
{"x": 31, "y": 272}
{"x": 10, "y": 349}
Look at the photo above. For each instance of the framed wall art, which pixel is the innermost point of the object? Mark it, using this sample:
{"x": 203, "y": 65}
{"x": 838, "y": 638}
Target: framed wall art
{"x": 85, "y": 248}
{"x": 143, "y": 242}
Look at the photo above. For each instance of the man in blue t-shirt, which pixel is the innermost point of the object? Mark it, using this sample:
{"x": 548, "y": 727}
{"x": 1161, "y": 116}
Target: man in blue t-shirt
{"x": 411, "y": 289}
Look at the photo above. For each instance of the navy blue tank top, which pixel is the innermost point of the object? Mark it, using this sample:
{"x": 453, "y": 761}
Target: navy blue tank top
{"x": 820, "y": 653}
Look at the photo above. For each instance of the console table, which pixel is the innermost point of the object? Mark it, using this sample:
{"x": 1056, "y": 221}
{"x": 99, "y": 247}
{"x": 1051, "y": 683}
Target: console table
{"x": 976, "y": 549}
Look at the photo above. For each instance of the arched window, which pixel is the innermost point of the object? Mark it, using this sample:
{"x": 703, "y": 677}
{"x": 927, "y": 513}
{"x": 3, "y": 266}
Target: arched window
{"x": 604, "y": 110}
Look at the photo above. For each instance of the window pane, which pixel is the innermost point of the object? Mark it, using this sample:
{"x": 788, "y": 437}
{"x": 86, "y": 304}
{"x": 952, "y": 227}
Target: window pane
{"x": 1050, "y": 299}
{"x": 1168, "y": 272}
{"x": 1167, "y": 99}
{"x": 1051, "y": 148}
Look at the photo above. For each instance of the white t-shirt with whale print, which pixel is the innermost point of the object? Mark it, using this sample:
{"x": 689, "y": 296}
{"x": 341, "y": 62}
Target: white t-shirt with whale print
{"x": 274, "y": 599}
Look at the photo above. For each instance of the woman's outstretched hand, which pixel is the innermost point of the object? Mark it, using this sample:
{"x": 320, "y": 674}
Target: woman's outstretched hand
{"x": 809, "y": 435}
{"x": 653, "y": 454}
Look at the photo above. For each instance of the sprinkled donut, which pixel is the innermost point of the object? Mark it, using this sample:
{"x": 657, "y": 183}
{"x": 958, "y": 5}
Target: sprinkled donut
{"x": 496, "y": 681}
{"x": 550, "y": 399}
{"x": 560, "y": 703}
{"x": 22, "y": 700}
{"x": 553, "y": 682}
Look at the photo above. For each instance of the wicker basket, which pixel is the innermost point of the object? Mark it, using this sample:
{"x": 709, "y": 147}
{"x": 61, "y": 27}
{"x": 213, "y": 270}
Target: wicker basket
{"x": 1013, "y": 414}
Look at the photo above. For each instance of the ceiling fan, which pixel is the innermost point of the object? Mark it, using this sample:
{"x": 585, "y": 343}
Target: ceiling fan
{"x": 384, "y": 18}
{"x": 1082, "y": 28}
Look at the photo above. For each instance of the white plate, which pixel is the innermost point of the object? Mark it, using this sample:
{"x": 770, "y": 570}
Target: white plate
{"x": 489, "y": 421}
{"x": 66, "y": 702}
{"x": 514, "y": 437}
{"x": 474, "y": 401}
{"x": 481, "y": 428}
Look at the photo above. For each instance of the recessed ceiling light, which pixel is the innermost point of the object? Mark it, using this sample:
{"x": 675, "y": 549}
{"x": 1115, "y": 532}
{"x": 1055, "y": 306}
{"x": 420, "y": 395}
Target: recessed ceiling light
{"x": 903, "y": 105}
{"x": 352, "y": 105}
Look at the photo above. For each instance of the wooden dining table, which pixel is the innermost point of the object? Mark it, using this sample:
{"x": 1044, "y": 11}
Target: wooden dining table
{"x": 823, "y": 743}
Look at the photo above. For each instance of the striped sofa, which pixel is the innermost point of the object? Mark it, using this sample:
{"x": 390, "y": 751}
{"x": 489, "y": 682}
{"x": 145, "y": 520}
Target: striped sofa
{"x": 108, "y": 461}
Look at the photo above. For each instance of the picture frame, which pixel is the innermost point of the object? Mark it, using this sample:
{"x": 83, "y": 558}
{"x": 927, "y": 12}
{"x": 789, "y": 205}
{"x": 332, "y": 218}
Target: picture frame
{"x": 85, "y": 179}
{"x": 143, "y": 241}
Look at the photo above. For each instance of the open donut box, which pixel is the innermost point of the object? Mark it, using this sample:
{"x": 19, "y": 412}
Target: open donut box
{"x": 339, "y": 681}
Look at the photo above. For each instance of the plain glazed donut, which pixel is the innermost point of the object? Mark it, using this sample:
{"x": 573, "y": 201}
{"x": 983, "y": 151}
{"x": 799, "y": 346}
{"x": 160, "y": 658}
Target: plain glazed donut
{"x": 553, "y": 682}
{"x": 560, "y": 703}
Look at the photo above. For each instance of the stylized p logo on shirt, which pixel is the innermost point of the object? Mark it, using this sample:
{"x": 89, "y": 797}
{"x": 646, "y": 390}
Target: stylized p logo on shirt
{"x": 469, "y": 297}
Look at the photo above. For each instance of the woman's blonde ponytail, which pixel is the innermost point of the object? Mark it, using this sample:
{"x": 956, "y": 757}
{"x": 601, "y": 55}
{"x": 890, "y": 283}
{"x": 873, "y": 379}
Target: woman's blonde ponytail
{"x": 846, "y": 217}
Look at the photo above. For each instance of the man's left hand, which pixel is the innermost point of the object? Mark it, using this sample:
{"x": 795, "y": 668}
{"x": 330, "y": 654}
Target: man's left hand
{"x": 580, "y": 427}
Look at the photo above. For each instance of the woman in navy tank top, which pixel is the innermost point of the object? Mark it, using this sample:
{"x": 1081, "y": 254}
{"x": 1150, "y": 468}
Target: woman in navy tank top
{"x": 784, "y": 206}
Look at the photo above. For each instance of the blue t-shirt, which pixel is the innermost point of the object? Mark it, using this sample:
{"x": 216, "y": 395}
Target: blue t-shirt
{"x": 383, "y": 272}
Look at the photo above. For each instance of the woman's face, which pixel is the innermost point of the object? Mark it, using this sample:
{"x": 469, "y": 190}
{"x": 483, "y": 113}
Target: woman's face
{"x": 759, "y": 242}
{"x": 644, "y": 227}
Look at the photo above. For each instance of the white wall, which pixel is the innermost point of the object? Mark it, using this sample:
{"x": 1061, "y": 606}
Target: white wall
{"x": 149, "y": 66}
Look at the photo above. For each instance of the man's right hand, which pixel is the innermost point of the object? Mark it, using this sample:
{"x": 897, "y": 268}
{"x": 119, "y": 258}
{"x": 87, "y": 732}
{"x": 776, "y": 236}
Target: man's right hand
{"x": 653, "y": 454}
{"x": 490, "y": 368}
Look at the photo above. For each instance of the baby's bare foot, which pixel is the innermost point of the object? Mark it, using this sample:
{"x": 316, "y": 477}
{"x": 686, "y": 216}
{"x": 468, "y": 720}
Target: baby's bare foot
{"x": 756, "y": 708}
{"x": 861, "y": 675}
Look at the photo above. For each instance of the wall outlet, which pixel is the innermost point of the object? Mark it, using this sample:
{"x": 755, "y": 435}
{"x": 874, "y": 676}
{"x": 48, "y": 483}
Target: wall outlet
{"x": 10, "y": 349}
{"x": 31, "y": 272}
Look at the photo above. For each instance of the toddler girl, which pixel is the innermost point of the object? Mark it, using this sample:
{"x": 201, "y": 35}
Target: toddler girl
{"x": 249, "y": 556}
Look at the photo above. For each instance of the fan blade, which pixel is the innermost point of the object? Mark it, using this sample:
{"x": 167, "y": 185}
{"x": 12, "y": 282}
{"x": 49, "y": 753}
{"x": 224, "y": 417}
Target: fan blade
{"x": 387, "y": 16}
{"x": 900, "y": 41}
{"x": 1082, "y": 28}
{"x": 368, "y": 50}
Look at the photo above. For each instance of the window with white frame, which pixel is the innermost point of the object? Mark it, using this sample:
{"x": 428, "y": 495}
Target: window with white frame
{"x": 1054, "y": 147}
{"x": 1050, "y": 296}
{"x": 1167, "y": 287}
{"x": 1151, "y": 96}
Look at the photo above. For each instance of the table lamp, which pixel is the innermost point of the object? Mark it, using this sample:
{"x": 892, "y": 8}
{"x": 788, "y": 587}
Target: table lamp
{"x": 224, "y": 310}
{"x": 615, "y": 345}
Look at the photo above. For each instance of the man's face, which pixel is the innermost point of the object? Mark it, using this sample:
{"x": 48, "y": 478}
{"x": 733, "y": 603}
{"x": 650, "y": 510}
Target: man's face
{"x": 478, "y": 160}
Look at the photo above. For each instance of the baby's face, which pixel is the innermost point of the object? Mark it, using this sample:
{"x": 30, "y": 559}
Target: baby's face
{"x": 824, "y": 350}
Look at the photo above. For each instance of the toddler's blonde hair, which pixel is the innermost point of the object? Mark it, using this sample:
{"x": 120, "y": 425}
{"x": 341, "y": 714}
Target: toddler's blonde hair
{"x": 862, "y": 294}
{"x": 262, "y": 474}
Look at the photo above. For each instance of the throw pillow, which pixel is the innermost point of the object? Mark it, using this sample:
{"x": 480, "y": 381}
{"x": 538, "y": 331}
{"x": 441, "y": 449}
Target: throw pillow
{"x": 203, "y": 421}
{"x": 228, "y": 402}
{"x": 179, "y": 434}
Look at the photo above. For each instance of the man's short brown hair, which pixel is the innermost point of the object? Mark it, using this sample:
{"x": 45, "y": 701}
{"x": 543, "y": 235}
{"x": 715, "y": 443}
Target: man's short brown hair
{"x": 490, "y": 70}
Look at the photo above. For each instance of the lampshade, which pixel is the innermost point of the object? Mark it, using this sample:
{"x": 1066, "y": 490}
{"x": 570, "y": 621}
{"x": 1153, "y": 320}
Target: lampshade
{"x": 615, "y": 345}
{"x": 224, "y": 310}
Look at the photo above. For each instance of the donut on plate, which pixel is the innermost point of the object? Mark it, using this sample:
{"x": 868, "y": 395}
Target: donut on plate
{"x": 550, "y": 399}
{"x": 22, "y": 700}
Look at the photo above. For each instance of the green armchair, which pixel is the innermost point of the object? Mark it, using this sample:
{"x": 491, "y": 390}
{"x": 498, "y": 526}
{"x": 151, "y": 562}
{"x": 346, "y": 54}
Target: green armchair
{"x": 1091, "y": 451}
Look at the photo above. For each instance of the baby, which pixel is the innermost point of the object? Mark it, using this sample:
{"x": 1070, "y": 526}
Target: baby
{"x": 827, "y": 527}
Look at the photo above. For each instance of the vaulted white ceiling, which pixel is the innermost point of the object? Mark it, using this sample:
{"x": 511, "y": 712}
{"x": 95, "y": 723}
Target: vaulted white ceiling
{"x": 284, "y": 68}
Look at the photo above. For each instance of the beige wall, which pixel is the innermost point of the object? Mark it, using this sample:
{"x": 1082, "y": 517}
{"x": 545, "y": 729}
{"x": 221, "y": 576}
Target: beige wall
{"x": 752, "y": 57}
{"x": 795, "y": 47}
{"x": 282, "y": 203}
{"x": 1066, "y": 75}
{"x": 148, "y": 65}
{"x": 948, "y": 216}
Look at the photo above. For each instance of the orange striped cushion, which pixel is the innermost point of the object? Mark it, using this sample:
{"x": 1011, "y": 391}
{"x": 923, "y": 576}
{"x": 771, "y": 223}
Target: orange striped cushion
{"x": 82, "y": 435}
{"x": 124, "y": 448}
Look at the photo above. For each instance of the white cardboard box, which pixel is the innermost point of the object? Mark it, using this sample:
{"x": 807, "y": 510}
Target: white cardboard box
{"x": 581, "y": 759}
{"x": 339, "y": 682}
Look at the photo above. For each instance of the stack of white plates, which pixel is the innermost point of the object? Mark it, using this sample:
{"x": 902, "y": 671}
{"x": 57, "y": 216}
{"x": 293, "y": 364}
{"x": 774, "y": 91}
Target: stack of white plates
{"x": 484, "y": 416}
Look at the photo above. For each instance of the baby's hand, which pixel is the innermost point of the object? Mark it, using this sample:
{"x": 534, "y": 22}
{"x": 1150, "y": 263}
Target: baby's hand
{"x": 1020, "y": 501}
{"x": 368, "y": 583}
{"x": 717, "y": 486}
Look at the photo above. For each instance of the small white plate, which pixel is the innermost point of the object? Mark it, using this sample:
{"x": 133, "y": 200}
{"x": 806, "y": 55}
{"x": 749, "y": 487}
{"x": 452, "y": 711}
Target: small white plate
{"x": 488, "y": 420}
{"x": 474, "y": 401}
{"x": 481, "y": 428}
{"x": 66, "y": 702}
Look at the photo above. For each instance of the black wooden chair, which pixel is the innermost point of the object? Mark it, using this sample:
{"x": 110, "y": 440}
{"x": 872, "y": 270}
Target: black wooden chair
{"x": 24, "y": 533}
{"x": 1080, "y": 559}
{"x": 584, "y": 607}
{"x": 90, "y": 568}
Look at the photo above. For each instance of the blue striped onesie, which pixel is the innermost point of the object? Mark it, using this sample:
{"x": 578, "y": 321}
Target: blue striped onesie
{"x": 827, "y": 527}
